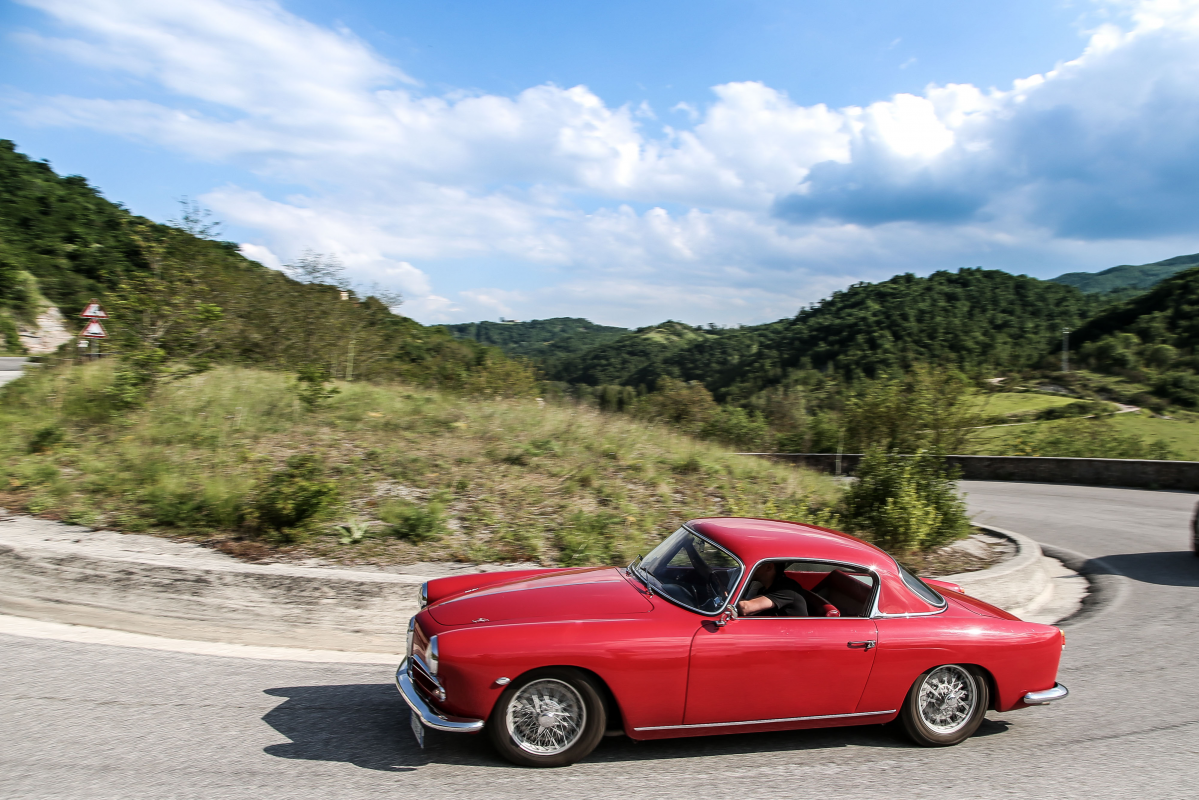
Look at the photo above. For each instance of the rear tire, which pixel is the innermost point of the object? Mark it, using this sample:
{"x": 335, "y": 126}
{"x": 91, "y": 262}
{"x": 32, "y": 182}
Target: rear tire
{"x": 945, "y": 705}
{"x": 549, "y": 717}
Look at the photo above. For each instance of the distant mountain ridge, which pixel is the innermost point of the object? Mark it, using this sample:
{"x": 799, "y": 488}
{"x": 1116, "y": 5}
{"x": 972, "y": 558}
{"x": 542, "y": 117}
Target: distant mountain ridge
{"x": 1127, "y": 280}
{"x": 545, "y": 340}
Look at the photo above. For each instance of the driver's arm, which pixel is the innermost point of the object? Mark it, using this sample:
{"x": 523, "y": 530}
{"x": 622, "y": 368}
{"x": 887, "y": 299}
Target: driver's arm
{"x": 754, "y": 606}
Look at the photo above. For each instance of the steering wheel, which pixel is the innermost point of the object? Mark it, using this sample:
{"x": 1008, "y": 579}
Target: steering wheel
{"x": 711, "y": 582}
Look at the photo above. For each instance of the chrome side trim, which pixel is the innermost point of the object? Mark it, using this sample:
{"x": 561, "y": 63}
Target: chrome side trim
{"x": 429, "y": 716}
{"x": 910, "y": 615}
{"x": 1058, "y": 692}
{"x": 763, "y": 721}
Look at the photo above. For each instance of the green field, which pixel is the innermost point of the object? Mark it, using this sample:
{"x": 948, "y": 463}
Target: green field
{"x": 1010, "y": 403}
{"x": 1180, "y": 435}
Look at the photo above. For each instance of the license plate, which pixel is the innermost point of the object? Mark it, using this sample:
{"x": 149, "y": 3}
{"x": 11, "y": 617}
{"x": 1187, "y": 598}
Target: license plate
{"x": 418, "y": 728}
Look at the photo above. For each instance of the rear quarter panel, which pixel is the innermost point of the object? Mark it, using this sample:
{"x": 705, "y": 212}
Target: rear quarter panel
{"x": 1020, "y": 656}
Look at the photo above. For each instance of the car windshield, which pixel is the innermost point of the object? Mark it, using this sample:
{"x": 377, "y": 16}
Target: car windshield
{"x": 691, "y": 571}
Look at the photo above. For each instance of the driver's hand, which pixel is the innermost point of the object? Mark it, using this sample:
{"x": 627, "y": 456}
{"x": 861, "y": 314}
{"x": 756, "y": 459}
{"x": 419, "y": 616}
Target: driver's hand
{"x": 754, "y": 606}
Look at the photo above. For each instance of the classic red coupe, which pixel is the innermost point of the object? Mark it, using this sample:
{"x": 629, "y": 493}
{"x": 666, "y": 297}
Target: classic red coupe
{"x": 727, "y": 625}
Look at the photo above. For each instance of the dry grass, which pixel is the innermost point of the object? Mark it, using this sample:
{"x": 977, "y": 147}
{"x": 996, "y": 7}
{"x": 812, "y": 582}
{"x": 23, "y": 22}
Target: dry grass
{"x": 422, "y": 475}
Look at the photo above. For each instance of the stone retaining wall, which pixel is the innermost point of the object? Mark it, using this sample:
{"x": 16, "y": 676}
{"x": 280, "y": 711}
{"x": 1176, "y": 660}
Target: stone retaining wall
{"x": 1132, "y": 473}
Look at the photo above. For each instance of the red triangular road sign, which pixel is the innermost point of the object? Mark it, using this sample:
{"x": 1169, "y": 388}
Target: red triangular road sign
{"x": 94, "y": 311}
{"x": 94, "y": 330}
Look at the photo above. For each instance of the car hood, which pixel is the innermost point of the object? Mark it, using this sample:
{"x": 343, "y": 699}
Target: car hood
{"x": 574, "y": 595}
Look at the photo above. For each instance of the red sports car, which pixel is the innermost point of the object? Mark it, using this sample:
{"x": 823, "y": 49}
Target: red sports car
{"x": 832, "y": 630}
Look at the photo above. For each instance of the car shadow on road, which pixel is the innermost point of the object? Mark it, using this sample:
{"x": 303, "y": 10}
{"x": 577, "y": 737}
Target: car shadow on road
{"x": 367, "y": 725}
{"x": 1174, "y": 568}
{"x": 362, "y": 724}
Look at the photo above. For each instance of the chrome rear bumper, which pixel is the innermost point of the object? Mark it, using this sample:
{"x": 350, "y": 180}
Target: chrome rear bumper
{"x": 429, "y": 715}
{"x": 1048, "y": 696}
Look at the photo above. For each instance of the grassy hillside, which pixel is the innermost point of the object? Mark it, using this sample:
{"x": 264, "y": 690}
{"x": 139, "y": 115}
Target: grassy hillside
{"x": 1126, "y": 281}
{"x": 179, "y": 297}
{"x": 419, "y": 474}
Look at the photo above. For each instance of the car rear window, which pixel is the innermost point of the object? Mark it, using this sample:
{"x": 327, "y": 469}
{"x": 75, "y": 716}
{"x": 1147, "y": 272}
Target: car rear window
{"x": 926, "y": 592}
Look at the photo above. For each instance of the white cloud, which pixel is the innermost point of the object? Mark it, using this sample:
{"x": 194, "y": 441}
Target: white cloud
{"x": 757, "y": 206}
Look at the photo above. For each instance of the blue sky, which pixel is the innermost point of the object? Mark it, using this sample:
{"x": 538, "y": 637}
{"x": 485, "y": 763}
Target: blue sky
{"x": 707, "y": 161}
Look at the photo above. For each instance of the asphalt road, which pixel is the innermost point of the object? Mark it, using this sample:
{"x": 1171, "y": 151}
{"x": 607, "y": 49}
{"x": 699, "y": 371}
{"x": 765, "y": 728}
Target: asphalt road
{"x": 90, "y": 721}
{"x": 10, "y": 368}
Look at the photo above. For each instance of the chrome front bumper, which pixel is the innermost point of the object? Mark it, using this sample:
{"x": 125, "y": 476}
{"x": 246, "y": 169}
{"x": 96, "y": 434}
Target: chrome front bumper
{"x": 429, "y": 715}
{"x": 1048, "y": 696}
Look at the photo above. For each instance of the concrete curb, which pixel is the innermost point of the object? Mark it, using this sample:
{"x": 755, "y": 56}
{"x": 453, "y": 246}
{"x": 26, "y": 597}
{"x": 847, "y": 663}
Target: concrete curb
{"x": 147, "y": 592}
{"x": 1019, "y": 585}
{"x": 224, "y": 601}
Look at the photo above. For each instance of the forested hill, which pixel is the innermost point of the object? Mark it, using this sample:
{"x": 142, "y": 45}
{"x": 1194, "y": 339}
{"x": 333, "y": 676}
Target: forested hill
{"x": 1125, "y": 281}
{"x": 980, "y": 320}
{"x": 1153, "y": 339}
{"x": 544, "y": 340}
{"x": 181, "y": 294}
{"x": 62, "y": 231}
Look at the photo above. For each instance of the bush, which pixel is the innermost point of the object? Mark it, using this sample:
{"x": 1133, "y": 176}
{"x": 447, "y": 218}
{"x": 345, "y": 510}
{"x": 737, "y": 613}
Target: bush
{"x": 45, "y": 438}
{"x": 1179, "y": 387}
{"x": 738, "y": 428}
{"x": 294, "y": 494}
{"x": 687, "y": 405}
{"x": 1079, "y": 408}
{"x": 311, "y": 389}
{"x": 906, "y": 503}
{"x": 414, "y": 522}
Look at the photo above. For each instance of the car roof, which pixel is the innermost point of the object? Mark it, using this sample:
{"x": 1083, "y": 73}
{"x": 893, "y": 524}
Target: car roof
{"x": 752, "y": 540}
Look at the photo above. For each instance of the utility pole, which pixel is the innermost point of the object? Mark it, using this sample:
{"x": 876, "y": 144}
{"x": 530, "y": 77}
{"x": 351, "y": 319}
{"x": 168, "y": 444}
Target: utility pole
{"x": 1065, "y": 349}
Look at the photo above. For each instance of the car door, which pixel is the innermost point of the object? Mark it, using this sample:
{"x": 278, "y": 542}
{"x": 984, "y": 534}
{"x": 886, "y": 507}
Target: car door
{"x": 763, "y": 668}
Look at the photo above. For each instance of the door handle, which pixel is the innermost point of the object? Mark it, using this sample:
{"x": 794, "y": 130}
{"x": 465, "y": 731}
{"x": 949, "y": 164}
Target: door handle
{"x": 864, "y": 645}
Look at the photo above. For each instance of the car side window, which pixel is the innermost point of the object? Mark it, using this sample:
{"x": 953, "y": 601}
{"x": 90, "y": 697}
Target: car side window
{"x": 830, "y": 590}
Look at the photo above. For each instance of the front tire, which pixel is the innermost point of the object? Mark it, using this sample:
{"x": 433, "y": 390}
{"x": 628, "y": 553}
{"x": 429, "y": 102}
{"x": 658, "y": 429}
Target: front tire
{"x": 945, "y": 705}
{"x": 548, "y": 718}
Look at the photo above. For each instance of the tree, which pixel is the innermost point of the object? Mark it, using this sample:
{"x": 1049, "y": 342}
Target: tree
{"x": 924, "y": 409}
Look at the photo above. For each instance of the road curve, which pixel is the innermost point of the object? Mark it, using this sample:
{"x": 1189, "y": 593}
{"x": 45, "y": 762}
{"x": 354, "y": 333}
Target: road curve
{"x": 90, "y": 721}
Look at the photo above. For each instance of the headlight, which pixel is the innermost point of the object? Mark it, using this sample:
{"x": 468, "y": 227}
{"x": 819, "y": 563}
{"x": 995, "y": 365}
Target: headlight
{"x": 431, "y": 656}
{"x": 423, "y": 597}
{"x": 411, "y": 632}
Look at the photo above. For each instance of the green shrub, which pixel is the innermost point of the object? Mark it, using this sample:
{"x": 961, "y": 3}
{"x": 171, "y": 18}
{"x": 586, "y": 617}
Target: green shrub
{"x": 1079, "y": 408}
{"x": 311, "y": 389}
{"x": 738, "y": 428}
{"x": 45, "y": 439}
{"x": 10, "y": 337}
{"x": 294, "y": 494}
{"x": 906, "y": 503}
{"x": 414, "y": 522}
{"x": 1179, "y": 387}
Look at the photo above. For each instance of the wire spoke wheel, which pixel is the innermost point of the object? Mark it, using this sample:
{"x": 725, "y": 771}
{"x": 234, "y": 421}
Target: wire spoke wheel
{"x": 546, "y": 717}
{"x": 948, "y": 698}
